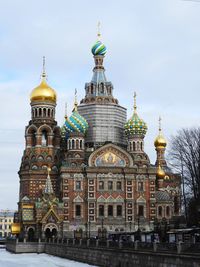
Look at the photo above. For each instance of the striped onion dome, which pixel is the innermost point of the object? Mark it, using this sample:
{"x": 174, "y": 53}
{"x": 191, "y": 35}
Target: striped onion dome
{"x": 98, "y": 49}
{"x": 75, "y": 123}
{"x": 135, "y": 125}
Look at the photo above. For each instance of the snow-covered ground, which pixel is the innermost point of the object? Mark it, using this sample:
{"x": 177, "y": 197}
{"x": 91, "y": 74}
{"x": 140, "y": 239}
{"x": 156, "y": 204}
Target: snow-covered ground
{"x": 35, "y": 260}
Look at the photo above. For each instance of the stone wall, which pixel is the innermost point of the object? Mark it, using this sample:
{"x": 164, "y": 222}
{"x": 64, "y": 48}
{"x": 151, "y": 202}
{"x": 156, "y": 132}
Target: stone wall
{"x": 23, "y": 247}
{"x": 107, "y": 257}
{"x": 116, "y": 258}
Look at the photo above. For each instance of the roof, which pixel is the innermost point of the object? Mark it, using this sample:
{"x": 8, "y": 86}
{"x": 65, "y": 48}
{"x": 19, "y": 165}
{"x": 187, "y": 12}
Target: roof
{"x": 163, "y": 196}
{"x": 6, "y": 213}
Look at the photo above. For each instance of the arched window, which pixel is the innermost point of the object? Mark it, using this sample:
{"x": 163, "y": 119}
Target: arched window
{"x": 44, "y": 112}
{"x": 101, "y": 210}
{"x": 77, "y": 144}
{"x": 44, "y": 138}
{"x": 160, "y": 211}
{"x": 92, "y": 89}
{"x": 33, "y": 141}
{"x": 40, "y": 112}
{"x": 141, "y": 146}
{"x": 167, "y": 211}
{"x": 138, "y": 146}
{"x": 110, "y": 210}
{"x": 176, "y": 204}
{"x": 133, "y": 146}
{"x": 81, "y": 144}
{"x": 48, "y": 112}
{"x": 73, "y": 144}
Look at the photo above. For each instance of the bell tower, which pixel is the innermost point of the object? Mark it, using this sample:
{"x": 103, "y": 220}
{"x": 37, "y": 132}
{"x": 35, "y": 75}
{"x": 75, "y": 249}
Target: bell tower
{"x": 42, "y": 137}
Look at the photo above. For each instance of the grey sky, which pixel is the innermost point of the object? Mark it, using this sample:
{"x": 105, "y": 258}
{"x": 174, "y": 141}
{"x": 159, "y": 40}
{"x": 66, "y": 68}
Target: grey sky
{"x": 153, "y": 48}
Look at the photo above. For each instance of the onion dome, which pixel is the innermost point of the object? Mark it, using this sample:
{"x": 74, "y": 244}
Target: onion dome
{"x": 98, "y": 49}
{"x": 160, "y": 141}
{"x": 160, "y": 172}
{"x": 43, "y": 92}
{"x": 75, "y": 123}
{"x": 135, "y": 125}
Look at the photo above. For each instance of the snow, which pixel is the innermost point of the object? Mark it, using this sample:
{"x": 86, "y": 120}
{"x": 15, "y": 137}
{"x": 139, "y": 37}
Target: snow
{"x": 8, "y": 259}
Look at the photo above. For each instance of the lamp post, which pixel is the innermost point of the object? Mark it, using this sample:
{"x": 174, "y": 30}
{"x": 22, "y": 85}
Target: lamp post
{"x": 102, "y": 221}
{"x": 86, "y": 230}
{"x": 89, "y": 229}
{"x": 130, "y": 226}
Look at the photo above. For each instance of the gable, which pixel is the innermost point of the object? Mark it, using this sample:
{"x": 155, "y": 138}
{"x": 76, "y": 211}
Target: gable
{"x": 50, "y": 216}
{"x": 110, "y": 155}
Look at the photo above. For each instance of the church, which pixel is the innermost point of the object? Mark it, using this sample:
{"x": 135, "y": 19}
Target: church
{"x": 91, "y": 176}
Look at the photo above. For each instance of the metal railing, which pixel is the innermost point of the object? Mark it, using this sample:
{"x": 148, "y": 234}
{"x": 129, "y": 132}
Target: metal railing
{"x": 180, "y": 247}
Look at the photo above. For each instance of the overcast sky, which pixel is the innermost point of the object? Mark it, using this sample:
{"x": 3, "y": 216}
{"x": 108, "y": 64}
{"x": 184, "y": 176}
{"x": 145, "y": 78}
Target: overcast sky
{"x": 153, "y": 48}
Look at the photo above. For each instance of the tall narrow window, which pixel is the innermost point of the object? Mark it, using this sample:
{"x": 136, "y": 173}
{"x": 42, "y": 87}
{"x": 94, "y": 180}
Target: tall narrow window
{"x": 34, "y": 139}
{"x": 101, "y": 185}
{"x": 110, "y": 210}
{"x": 78, "y": 185}
{"x": 167, "y": 211}
{"x": 73, "y": 144}
{"x": 140, "y": 210}
{"x": 78, "y": 210}
{"x": 119, "y": 210}
{"x": 44, "y": 138}
{"x": 119, "y": 185}
{"x": 101, "y": 210}
{"x": 110, "y": 185}
{"x": 133, "y": 146}
{"x": 140, "y": 186}
{"x": 160, "y": 211}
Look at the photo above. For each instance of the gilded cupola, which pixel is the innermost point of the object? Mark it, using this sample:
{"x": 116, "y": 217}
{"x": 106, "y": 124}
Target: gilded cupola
{"x": 43, "y": 92}
{"x": 160, "y": 141}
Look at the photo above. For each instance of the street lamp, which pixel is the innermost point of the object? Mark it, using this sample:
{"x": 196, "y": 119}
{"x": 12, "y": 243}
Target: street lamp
{"x": 89, "y": 228}
{"x": 130, "y": 225}
{"x": 102, "y": 221}
{"x": 86, "y": 230}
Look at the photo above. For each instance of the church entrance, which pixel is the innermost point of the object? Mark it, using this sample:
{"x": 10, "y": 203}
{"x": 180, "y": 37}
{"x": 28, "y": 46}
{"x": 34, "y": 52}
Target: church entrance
{"x": 51, "y": 231}
{"x": 31, "y": 234}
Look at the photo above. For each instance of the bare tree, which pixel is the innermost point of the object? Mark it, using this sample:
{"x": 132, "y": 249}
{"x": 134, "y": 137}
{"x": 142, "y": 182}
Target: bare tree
{"x": 184, "y": 156}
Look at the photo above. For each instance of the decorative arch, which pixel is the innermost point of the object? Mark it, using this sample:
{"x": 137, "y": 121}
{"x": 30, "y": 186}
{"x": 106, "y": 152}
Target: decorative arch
{"x": 45, "y": 127}
{"x": 110, "y": 155}
{"x": 32, "y": 128}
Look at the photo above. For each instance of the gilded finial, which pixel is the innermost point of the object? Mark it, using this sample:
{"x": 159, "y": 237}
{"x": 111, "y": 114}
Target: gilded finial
{"x": 135, "y": 106}
{"x": 65, "y": 110}
{"x": 75, "y": 101}
{"x": 98, "y": 31}
{"x": 43, "y": 68}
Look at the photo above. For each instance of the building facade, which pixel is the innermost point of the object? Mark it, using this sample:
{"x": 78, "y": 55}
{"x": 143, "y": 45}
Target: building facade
{"x": 91, "y": 176}
{"x": 6, "y": 220}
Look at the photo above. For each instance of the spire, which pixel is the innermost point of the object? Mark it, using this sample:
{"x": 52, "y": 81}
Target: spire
{"x": 135, "y": 106}
{"x": 65, "y": 110}
{"x": 160, "y": 129}
{"x": 44, "y": 68}
{"x": 98, "y": 31}
{"x": 48, "y": 186}
{"x": 75, "y": 102}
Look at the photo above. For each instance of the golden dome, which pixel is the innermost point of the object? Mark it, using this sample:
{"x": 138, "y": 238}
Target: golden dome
{"x": 43, "y": 92}
{"x": 160, "y": 141}
{"x": 160, "y": 172}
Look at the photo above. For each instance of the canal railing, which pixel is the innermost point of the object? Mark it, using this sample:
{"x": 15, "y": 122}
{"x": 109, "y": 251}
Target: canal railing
{"x": 155, "y": 247}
